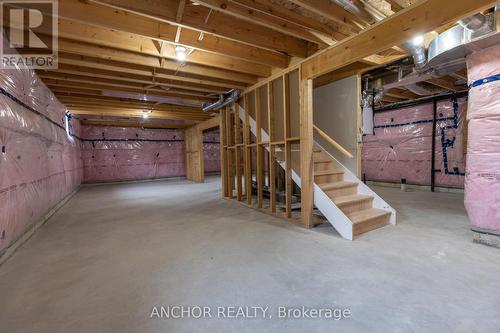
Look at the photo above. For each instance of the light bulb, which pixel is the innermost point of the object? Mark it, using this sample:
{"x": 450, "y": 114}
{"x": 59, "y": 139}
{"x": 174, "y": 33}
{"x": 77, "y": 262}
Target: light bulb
{"x": 418, "y": 41}
{"x": 180, "y": 53}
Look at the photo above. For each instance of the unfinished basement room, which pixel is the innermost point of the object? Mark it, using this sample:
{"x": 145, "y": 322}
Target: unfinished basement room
{"x": 249, "y": 166}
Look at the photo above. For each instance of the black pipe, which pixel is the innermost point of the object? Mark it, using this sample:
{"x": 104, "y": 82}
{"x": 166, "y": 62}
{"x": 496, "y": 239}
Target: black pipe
{"x": 420, "y": 101}
{"x": 433, "y": 148}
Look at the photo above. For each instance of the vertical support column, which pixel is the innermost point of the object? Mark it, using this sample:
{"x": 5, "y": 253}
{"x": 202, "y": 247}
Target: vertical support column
{"x": 272, "y": 147}
{"x": 237, "y": 151}
{"x": 223, "y": 150}
{"x": 306, "y": 151}
{"x": 230, "y": 153}
{"x": 288, "y": 146}
{"x": 247, "y": 151}
{"x": 260, "y": 151}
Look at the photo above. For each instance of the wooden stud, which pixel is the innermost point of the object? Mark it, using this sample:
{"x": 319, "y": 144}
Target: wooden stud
{"x": 260, "y": 151}
{"x": 272, "y": 148}
{"x": 306, "y": 151}
{"x": 247, "y": 150}
{"x": 288, "y": 146}
{"x": 237, "y": 151}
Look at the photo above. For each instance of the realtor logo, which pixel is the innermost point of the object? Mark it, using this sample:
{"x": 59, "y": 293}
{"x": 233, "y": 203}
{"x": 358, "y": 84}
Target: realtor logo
{"x": 29, "y": 37}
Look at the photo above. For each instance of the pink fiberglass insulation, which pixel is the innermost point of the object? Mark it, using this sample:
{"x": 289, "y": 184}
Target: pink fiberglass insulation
{"x": 482, "y": 183}
{"x": 39, "y": 163}
{"x": 129, "y": 153}
{"x": 211, "y": 150}
{"x": 401, "y": 147}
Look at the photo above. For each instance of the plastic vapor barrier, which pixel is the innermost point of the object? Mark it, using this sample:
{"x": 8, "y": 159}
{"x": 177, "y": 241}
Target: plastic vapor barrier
{"x": 401, "y": 146}
{"x": 39, "y": 163}
{"x": 482, "y": 185}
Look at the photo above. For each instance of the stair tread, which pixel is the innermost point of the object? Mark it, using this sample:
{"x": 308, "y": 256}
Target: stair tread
{"x": 322, "y": 161}
{"x": 337, "y": 185}
{"x": 367, "y": 214}
{"x": 348, "y": 199}
{"x": 328, "y": 172}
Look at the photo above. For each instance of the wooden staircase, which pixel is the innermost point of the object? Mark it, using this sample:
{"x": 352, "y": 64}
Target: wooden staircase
{"x": 345, "y": 201}
{"x": 358, "y": 208}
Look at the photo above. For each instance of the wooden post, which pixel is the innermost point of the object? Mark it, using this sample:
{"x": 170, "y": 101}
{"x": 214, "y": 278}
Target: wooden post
{"x": 272, "y": 147}
{"x": 247, "y": 151}
{"x": 288, "y": 146}
{"x": 237, "y": 150}
{"x": 260, "y": 151}
{"x": 223, "y": 151}
{"x": 229, "y": 159}
{"x": 306, "y": 151}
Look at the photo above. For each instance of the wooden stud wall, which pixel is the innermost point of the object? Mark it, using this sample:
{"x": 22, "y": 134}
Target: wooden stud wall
{"x": 274, "y": 108}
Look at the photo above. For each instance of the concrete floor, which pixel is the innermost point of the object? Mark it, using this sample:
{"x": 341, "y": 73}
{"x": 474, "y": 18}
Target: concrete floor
{"x": 114, "y": 252}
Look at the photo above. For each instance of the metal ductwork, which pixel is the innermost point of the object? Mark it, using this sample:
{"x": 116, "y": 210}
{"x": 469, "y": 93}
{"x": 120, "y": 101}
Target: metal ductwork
{"x": 418, "y": 53}
{"x": 447, "y": 52}
{"x": 224, "y": 99}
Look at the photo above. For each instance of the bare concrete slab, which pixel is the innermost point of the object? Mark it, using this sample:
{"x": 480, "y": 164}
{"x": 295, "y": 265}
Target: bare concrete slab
{"x": 114, "y": 252}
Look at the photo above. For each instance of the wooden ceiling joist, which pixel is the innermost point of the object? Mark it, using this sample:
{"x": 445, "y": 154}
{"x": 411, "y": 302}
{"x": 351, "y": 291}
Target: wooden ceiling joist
{"x": 244, "y": 13}
{"x": 86, "y": 49}
{"x": 130, "y": 42}
{"x": 134, "y": 113}
{"x": 133, "y": 78}
{"x": 333, "y": 11}
{"x": 129, "y": 123}
{"x": 119, "y": 20}
{"x": 220, "y": 24}
{"x": 281, "y": 12}
{"x": 127, "y": 68}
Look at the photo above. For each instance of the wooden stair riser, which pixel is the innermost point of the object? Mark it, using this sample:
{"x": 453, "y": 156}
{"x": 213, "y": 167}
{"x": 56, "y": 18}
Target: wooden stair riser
{"x": 352, "y": 207}
{"x": 323, "y": 166}
{"x": 369, "y": 225}
{"x": 341, "y": 192}
{"x": 337, "y": 177}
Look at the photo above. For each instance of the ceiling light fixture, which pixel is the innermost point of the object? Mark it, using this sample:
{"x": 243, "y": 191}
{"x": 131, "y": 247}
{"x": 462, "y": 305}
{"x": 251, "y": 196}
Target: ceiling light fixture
{"x": 418, "y": 40}
{"x": 145, "y": 114}
{"x": 180, "y": 53}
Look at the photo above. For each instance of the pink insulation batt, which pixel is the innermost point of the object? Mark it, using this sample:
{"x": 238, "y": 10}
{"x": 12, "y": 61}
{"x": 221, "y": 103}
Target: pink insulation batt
{"x": 482, "y": 184}
{"x": 126, "y": 153}
{"x": 401, "y": 147}
{"x": 39, "y": 163}
{"x": 211, "y": 150}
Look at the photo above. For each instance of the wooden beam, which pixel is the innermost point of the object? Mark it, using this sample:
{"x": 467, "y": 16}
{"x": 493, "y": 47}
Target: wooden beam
{"x": 133, "y": 113}
{"x": 333, "y": 11}
{"x": 218, "y": 24}
{"x": 107, "y": 53}
{"x": 288, "y": 146}
{"x": 223, "y": 153}
{"x": 272, "y": 148}
{"x": 63, "y": 88}
{"x": 65, "y": 71}
{"x": 306, "y": 151}
{"x": 263, "y": 19}
{"x": 127, "y": 68}
{"x": 104, "y": 16}
{"x": 106, "y": 37}
{"x": 137, "y": 123}
{"x": 260, "y": 151}
{"x": 291, "y": 16}
{"x": 247, "y": 150}
{"x": 420, "y": 18}
{"x": 61, "y": 77}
